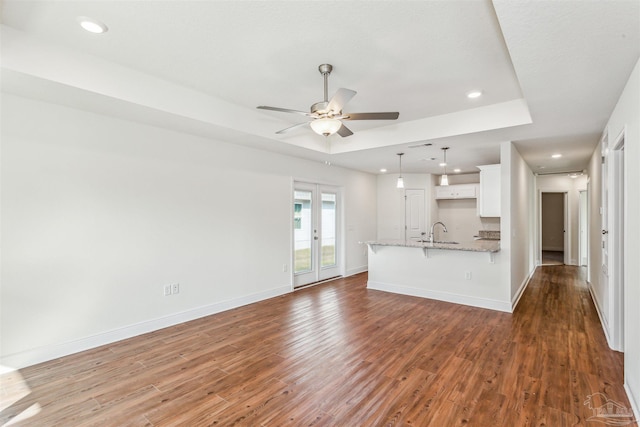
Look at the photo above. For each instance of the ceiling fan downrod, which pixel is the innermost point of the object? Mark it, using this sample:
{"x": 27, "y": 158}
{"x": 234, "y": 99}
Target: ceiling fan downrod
{"x": 321, "y": 108}
{"x": 325, "y": 70}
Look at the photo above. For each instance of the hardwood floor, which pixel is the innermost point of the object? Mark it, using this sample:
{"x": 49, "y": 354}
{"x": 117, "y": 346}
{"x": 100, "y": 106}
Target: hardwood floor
{"x": 552, "y": 257}
{"x": 338, "y": 354}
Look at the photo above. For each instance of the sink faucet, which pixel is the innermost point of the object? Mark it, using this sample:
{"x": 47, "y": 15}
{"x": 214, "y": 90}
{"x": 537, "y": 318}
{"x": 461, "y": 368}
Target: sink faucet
{"x": 444, "y": 227}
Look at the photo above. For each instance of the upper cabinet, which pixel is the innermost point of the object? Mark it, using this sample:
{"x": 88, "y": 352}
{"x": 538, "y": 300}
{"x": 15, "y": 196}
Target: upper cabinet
{"x": 489, "y": 194}
{"x": 458, "y": 191}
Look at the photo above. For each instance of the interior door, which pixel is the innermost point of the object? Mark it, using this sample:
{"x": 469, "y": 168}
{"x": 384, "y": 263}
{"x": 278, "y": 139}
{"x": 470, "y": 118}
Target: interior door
{"x": 316, "y": 233}
{"x": 414, "y": 214}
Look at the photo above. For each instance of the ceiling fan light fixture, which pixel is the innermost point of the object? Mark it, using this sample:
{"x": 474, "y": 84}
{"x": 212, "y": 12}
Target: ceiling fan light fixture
{"x": 326, "y": 126}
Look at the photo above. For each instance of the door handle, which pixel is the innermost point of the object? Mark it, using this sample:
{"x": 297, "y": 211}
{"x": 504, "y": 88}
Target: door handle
{"x": 315, "y": 237}
{"x": 605, "y": 231}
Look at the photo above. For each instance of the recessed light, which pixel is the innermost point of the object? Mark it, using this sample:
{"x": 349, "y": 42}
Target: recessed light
{"x": 457, "y": 170}
{"x": 383, "y": 170}
{"x": 92, "y": 25}
{"x": 443, "y": 164}
{"x": 556, "y": 156}
{"x": 474, "y": 94}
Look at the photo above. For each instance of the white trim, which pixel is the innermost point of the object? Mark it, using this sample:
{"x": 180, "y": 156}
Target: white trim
{"x": 516, "y": 298}
{"x": 357, "y": 270}
{"x": 566, "y": 242}
{"x": 635, "y": 406}
{"x": 603, "y": 322}
{"x": 616, "y": 216}
{"x": 442, "y": 296}
{"x": 49, "y": 352}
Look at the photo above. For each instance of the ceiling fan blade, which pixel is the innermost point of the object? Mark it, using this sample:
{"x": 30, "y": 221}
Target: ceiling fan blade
{"x": 283, "y": 110}
{"x": 344, "y": 131}
{"x": 340, "y": 99}
{"x": 372, "y": 116}
{"x": 285, "y": 130}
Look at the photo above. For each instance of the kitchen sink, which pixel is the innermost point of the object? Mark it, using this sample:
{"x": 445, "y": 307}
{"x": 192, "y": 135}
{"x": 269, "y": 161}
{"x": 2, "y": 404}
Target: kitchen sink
{"x": 438, "y": 241}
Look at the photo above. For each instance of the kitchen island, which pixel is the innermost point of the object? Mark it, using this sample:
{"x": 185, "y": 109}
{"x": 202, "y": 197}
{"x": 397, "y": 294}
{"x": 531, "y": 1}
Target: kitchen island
{"x": 467, "y": 273}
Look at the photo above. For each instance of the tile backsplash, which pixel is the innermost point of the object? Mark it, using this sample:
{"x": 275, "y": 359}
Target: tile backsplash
{"x": 489, "y": 234}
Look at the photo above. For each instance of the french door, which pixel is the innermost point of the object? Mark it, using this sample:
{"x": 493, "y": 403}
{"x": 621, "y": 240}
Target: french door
{"x": 316, "y": 233}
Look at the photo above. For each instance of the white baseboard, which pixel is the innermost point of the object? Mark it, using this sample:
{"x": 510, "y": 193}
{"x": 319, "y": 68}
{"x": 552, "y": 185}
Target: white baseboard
{"x": 357, "y": 270}
{"x": 523, "y": 286}
{"x": 635, "y": 405}
{"x": 603, "y": 322}
{"x": 442, "y": 296}
{"x": 42, "y": 354}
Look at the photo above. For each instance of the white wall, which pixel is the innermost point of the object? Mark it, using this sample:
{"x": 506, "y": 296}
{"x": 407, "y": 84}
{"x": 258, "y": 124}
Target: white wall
{"x": 572, "y": 186}
{"x": 517, "y": 221}
{"x": 626, "y": 117}
{"x": 460, "y": 217}
{"x": 98, "y": 214}
{"x": 390, "y": 208}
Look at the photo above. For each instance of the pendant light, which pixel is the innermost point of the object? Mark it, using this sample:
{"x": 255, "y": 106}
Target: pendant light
{"x": 444, "y": 179}
{"x": 400, "y": 180}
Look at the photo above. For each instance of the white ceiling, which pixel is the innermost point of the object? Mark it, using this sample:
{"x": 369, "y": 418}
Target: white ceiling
{"x": 550, "y": 71}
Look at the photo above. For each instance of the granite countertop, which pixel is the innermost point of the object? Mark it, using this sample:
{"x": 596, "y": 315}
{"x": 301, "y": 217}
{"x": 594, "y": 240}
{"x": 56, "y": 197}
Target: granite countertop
{"x": 473, "y": 246}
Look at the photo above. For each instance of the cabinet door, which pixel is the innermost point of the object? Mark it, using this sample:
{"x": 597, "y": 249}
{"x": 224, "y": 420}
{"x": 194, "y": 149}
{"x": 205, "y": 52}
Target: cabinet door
{"x": 457, "y": 191}
{"x": 444, "y": 192}
{"x": 489, "y": 197}
{"x": 465, "y": 192}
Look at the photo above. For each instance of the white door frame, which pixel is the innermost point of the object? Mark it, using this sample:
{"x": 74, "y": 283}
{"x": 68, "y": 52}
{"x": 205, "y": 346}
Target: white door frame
{"x": 583, "y": 228}
{"x": 616, "y": 206}
{"x": 567, "y": 229}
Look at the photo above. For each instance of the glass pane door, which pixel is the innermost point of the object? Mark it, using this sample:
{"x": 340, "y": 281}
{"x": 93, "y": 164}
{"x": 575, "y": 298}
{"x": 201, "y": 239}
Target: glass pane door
{"x": 316, "y": 233}
{"x": 302, "y": 232}
{"x": 328, "y": 229}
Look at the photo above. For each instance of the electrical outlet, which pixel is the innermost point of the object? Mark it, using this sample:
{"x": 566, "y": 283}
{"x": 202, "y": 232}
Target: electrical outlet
{"x": 167, "y": 290}
{"x": 175, "y": 288}
{"x": 467, "y": 275}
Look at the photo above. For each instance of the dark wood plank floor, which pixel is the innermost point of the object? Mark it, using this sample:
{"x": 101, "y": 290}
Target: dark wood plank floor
{"x": 552, "y": 257}
{"x": 338, "y": 354}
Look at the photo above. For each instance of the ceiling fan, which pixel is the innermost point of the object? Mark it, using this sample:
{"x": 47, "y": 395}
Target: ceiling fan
{"x": 327, "y": 114}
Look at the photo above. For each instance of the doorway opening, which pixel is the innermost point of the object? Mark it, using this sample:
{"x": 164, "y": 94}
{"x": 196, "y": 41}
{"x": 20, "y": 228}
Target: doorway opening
{"x": 553, "y": 228}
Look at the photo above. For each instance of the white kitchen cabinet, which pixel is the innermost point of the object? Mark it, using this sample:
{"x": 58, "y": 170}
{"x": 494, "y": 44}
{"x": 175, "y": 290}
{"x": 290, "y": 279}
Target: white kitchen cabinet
{"x": 489, "y": 193}
{"x": 457, "y": 191}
